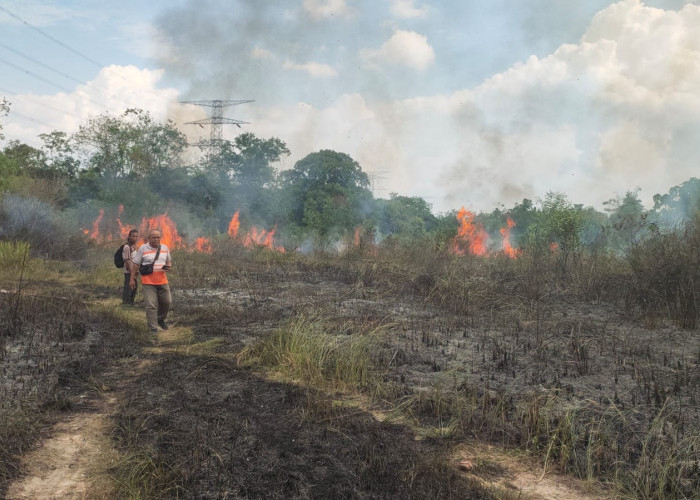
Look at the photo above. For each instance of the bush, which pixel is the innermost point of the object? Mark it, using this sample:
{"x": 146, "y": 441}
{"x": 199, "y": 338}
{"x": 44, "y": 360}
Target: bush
{"x": 50, "y": 235}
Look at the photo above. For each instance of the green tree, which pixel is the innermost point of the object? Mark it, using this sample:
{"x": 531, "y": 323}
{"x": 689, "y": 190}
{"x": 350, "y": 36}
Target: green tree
{"x": 58, "y": 151}
{"x": 4, "y": 110}
{"x": 559, "y": 222}
{"x": 328, "y": 192}
{"x": 244, "y": 171}
{"x": 626, "y": 219}
{"x": 406, "y": 217}
{"x": 132, "y": 144}
{"x": 25, "y": 158}
{"x": 680, "y": 204}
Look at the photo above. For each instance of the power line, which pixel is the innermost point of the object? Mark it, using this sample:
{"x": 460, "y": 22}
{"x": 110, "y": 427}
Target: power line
{"x": 64, "y": 75}
{"x": 15, "y": 113}
{"x": 27, "y": 98}
{"x": 55, "y": 40}
{"x": 60, "y": 73}
{"x": 34, "y": 75}
{"x": 38, "y": 77}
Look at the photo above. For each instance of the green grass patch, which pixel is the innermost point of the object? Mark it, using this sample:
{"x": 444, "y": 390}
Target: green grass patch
{"x": 315, "y": 351}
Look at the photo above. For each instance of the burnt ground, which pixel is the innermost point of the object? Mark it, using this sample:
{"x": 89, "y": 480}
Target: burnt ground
{"x": 199, "y": 424}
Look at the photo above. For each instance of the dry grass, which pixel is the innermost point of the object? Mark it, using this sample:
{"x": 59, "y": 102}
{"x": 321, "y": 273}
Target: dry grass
{"x": 642, "y": 441}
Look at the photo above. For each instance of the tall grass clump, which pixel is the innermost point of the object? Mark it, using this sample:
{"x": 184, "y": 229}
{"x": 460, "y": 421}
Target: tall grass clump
{"x": 12, "y": 256}
{"x": 666, "y": 275}
{"x": 140, "y": 473}
{"x": 653, "y": 460}
{"x": 315, "y": 351}
{"x": 18, "y": 428}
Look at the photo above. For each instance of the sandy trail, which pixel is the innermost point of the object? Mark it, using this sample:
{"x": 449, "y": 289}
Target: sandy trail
{"x": 72, "y": 462}
{"x": 65, "y": 464}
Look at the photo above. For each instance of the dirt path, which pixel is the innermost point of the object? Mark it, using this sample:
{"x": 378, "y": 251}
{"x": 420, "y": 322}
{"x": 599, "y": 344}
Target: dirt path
{"x": 66, "y": 465}
{"x": 520, "y": 476}
{"x": 72, "y": 462}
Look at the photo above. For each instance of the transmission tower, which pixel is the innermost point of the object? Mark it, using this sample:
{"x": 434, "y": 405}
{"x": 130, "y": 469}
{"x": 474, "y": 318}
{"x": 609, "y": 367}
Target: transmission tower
{"x": 374, "y": 176}
{"x": 216, "y": 120}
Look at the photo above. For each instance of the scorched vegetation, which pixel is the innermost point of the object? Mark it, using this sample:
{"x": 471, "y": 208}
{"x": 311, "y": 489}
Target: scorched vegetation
{"x": 329, "y": 344}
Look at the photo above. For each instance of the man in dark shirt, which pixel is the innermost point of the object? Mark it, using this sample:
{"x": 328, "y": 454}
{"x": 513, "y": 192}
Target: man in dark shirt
{"x": 128, "y": 293}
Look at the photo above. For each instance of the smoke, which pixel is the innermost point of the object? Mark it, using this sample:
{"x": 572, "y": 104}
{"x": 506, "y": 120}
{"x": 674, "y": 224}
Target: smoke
{"x": 613, "y": 111}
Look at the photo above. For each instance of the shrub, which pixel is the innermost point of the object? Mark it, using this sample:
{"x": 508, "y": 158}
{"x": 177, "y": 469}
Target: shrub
{"x": 50, "y": 235}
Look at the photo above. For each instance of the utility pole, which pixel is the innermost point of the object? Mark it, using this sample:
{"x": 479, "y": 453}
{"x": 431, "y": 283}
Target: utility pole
{"x": 216, "y": 120}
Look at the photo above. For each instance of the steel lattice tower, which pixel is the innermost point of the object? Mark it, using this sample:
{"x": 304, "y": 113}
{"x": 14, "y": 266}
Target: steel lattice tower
{"x": 216, "y": 120}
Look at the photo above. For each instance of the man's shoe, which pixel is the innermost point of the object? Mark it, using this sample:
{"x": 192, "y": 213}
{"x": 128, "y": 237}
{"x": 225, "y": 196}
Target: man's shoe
{"x": 162, "y": 324}
{"x": 154, "y": 330}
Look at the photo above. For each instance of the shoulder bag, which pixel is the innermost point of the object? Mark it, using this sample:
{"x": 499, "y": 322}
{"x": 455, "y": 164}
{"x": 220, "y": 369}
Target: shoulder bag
{"x": 145, "y": 269}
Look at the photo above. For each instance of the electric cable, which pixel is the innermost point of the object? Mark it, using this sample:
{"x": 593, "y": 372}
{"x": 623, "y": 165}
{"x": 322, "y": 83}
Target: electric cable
{"x": 38, "y": 77}
{"x": 64, "y": 75}
{"x": 53, "y": 39}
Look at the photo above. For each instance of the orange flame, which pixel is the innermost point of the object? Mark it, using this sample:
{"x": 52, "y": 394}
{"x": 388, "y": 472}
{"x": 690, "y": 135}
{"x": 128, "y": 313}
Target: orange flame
{"x": 260, "y": 237}
{"x": 202, "y": 244}
{"x": 123, "y": 228}
{"x": 163, "y": 223}
{"x": 168, "y": 231}
{"x": 469, "y": 235}
{"x": 95, "y": 234}
{"x": 233, "y": 226}
{"x": 356, "y": 237}
{"x": 553, "y": 247}
{"x": 505, "y": 233}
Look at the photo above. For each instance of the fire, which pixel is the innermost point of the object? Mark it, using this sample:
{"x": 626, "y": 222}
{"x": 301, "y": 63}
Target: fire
{"x": 233, "y": 226}
{"x": 123, "y": 229}
{"x": 260, "y": 237}
{"x": 168, "y": 231}
{"x": 170, "y": 235}
{"x": 554, "y": 247}
{"x": 505, "y": 233}
{"x": 357, "y": 236}
{"x": 469, "y": 235}
{"x": 95, "y": 234}
{"x": 254, "y": 237}
{"x": 203, "y": 244}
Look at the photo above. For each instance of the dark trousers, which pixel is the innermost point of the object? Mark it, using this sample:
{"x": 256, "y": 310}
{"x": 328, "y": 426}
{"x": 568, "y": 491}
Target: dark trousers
{"x": 127, "y": 293}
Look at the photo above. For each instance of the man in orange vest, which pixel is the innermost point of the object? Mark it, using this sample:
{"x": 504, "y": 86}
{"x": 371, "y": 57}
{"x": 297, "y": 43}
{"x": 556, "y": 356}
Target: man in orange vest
{"x": 152, "y": 260}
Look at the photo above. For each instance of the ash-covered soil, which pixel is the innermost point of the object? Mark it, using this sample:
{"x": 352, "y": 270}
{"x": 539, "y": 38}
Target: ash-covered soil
{"x": 211, "y": 428}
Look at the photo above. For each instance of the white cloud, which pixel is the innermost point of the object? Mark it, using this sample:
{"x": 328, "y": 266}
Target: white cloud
{"x": 404, "y": 48}
{"x": 314, "y": 70}
{"x": 406, "y": 9}
{"x": 614, "y": 112}
{"x": 592, "y": 120}
{"x": 323, "y": 9}
{"x": 258, "y": 53}
{"x": 114, "y": 89}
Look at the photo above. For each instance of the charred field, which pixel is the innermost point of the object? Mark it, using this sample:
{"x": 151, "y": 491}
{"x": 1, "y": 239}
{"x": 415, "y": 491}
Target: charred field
{"x": 366, "y": 374}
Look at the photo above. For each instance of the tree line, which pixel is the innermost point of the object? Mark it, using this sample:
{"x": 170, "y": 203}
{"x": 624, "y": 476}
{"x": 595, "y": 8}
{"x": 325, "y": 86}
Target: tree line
{"x": 140, "y": 163}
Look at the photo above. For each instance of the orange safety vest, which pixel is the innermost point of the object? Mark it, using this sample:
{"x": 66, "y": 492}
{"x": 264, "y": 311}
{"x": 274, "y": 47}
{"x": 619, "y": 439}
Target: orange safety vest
{"x": 148, "y": 254}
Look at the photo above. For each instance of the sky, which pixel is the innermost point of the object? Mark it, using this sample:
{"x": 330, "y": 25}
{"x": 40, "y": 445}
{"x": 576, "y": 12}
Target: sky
{"x": 461, "y": 102}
